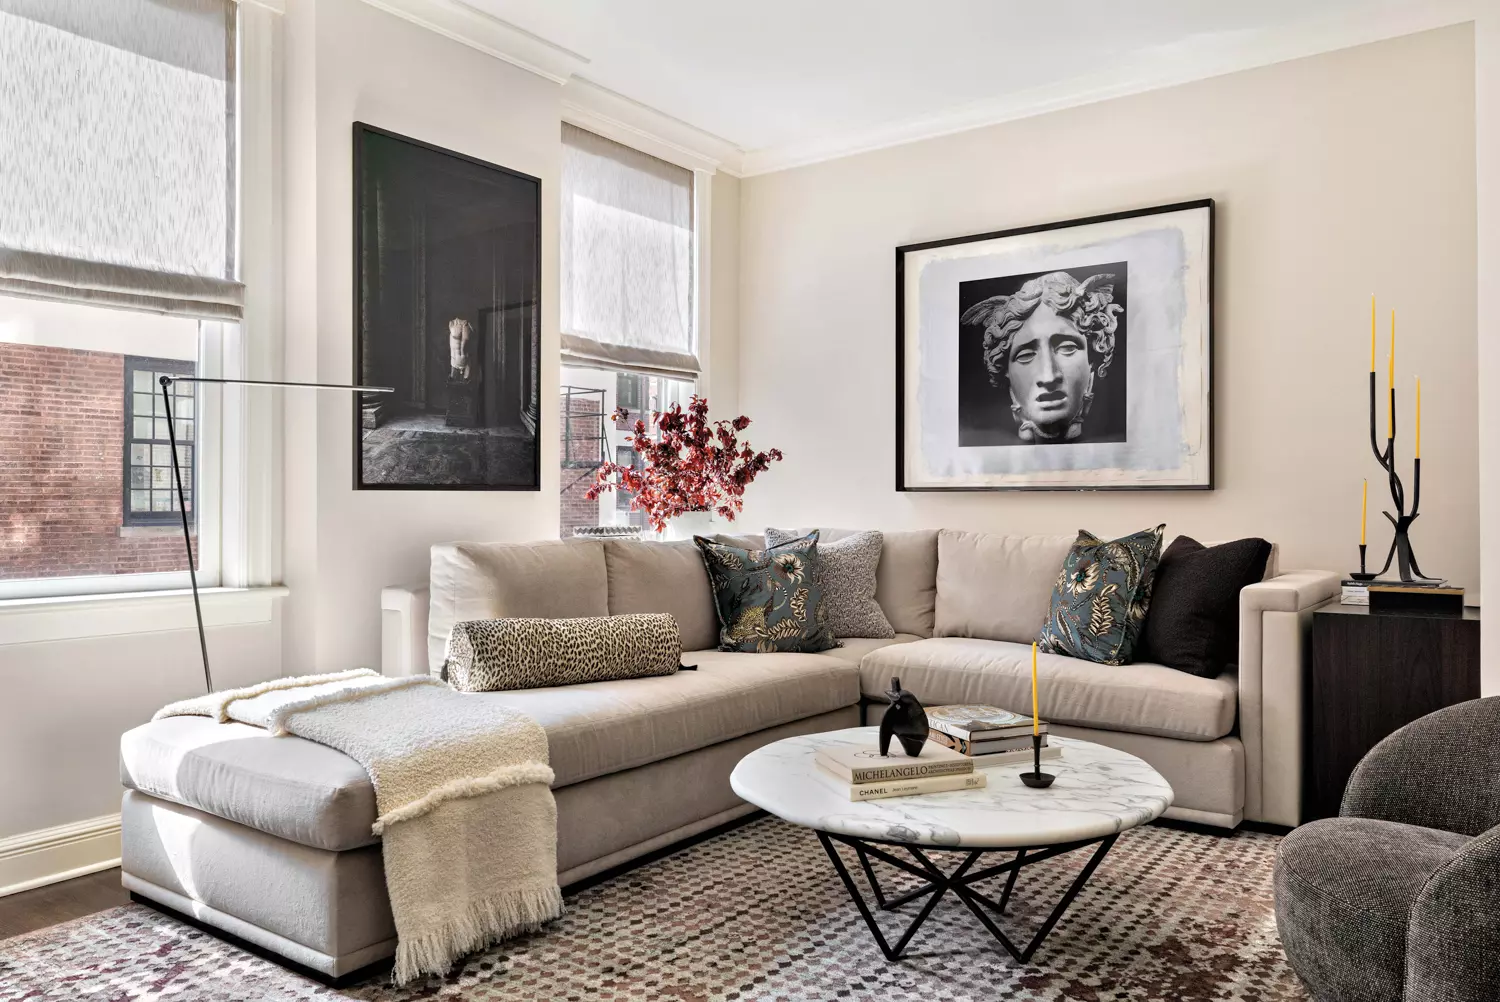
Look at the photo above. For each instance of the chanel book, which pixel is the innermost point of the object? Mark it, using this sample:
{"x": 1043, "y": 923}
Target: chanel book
{"x": 864, "y": 763}
{"x": 905, "y": 787}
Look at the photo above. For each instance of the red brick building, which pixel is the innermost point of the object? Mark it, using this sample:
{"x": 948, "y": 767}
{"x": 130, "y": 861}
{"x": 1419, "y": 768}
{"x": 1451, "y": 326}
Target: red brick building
{"x": 62, "y": 469}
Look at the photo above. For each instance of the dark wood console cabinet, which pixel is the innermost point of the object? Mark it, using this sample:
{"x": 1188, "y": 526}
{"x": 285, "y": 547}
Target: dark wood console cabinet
{"x": 1371, "y": 673}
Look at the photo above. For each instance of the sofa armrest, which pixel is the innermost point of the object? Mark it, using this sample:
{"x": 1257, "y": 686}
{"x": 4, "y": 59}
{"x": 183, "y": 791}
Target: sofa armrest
{"x": 1275, "y": 620}
{"x": 1453, "y": 941}
{"x": 403, "y": 630}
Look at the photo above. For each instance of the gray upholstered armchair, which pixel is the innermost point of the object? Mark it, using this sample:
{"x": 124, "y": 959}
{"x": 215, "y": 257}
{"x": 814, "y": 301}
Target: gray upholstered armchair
{"x": 1398, "y": 898}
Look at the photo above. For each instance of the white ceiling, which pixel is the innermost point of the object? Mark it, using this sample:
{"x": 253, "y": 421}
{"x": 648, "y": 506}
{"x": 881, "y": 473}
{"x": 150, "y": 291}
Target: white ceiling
{"x": 777, "y": 76}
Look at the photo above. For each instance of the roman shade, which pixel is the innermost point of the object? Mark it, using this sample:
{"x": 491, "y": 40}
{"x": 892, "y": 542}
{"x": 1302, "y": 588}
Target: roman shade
{"x": 117, "y": 182}
{"x": 627, "y": 259}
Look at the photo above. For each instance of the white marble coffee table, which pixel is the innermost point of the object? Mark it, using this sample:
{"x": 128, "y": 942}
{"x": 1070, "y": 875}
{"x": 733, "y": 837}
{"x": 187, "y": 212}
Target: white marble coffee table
{"x": 1099, "y": 793}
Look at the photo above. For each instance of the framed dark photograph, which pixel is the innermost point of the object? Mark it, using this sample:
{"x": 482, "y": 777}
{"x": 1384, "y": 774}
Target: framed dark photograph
{"x": 447, "y": 297}
{"x": 1069, "y": 356}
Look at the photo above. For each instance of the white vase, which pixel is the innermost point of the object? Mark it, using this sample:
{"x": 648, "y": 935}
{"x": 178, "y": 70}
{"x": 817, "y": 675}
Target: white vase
{"x": 687, "y": 525}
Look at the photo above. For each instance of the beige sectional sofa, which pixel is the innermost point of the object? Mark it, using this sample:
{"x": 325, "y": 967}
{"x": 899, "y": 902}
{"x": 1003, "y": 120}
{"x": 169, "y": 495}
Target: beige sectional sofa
{"x": 268, "y": 838}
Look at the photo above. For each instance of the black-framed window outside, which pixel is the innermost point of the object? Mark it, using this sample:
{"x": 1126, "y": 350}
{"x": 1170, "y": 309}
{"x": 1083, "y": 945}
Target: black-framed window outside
{"x": 150, "y": 494}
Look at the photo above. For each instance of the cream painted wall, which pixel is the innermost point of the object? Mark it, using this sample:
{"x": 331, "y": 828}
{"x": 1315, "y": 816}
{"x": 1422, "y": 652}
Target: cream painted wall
{"x": 348, "y": 61}
{"x": 724, "y": 298}
{"x": 67, "y": 703}
{"x": 1334, "y": 176}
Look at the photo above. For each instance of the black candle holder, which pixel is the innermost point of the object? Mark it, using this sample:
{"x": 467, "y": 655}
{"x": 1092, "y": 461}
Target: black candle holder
{"x": 1036, "y": 778}
{"x": 1400, "y": 551}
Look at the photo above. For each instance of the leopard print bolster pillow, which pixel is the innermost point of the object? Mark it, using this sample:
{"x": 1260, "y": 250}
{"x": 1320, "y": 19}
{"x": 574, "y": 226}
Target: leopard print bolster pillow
{"x": 489, "y": 655}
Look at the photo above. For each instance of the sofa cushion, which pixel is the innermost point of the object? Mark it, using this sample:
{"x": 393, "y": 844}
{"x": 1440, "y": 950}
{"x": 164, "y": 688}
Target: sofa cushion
{"x": 995, "y": 587}
{"x": 1141, "y": 698}
{"x": 854, "y": 649}
{"x": 1193, "y": 624}
{"x": 846, "y": 567}
{"x": 287, "y": 786}
{"x": 906, "y": 577}
{"x": 490, "y": 655}
{"x": 311, "y": 794}
{"x": 663, "y": 577}
{"x": 744, "y": 540}
{"x": 605, "y": 727}
{"x": 768, "y": 600}
{"x": 548, "y": 580}
{"x": 1101, "y": 596}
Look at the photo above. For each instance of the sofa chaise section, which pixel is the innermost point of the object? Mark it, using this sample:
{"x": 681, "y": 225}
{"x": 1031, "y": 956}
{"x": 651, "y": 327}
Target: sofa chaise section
{"x": 268, "y": 838}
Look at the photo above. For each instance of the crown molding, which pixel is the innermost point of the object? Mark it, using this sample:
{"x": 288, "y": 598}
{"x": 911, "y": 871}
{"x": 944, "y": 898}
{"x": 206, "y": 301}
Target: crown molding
{"x": 1151, "y": 69}
{"x": 490, "y": 35}
{"x": 615, "y": 116}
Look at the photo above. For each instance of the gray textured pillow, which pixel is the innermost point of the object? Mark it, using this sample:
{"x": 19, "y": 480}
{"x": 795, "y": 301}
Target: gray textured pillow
{"x": 489, "y": 655}
{"x": 848, "y": 580}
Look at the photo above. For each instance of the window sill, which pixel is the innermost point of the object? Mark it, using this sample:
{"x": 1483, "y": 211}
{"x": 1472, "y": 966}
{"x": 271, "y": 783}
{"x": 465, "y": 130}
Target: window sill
{"x": 153, "y": 530}
{"x": 42, "y": 620}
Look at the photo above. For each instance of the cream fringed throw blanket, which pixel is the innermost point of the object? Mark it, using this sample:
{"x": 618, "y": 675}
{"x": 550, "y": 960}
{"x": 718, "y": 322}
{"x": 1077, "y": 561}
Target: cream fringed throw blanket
{"x": 466, "y": 817}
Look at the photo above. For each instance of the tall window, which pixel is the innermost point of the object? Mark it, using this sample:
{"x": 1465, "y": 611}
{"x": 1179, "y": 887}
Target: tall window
{"x": 118, "y": 262}
{"x": 628, "y": 304}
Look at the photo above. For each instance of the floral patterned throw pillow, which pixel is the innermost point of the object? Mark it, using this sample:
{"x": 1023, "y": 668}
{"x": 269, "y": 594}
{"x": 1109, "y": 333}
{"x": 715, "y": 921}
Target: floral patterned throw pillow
{"x": 1100, "y": 599}
{"x": 768, "y": 600}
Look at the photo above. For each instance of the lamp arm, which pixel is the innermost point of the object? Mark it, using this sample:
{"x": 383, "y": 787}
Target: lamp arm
{"x": 187, "y": 536}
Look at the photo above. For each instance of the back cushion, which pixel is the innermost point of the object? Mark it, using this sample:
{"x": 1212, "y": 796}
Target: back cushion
{"x": 558, "y": 579}
{"x": 663, "y": 577}
{"x": 905, "y": 578}
{"x": 996, "y": 587}
{"x": 744, "y": 541}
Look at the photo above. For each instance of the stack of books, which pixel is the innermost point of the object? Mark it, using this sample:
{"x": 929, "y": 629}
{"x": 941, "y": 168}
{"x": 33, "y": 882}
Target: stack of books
{"x": 1428, "y": 594}
{"x": 863, "y": 774}
{"x": 986, "y": 734}
{"x": 1352, "y": 592}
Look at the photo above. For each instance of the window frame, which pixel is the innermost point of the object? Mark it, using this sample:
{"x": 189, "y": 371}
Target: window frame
{"x": 222, "y": 431}
{"x": 129, "y": 518}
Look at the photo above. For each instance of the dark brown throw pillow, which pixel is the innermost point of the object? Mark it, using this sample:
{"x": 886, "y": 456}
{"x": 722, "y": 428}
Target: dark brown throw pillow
{"x": 1193, "y": 623}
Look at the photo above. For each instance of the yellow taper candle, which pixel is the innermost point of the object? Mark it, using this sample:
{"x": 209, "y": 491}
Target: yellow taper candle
{"x": 1372, "y": 333}
{"x": 1419, "y": 418}
{"x": 1364, "y": 505}
{"x": 1036, "y": 727}
{"x": 1390, "y": 384}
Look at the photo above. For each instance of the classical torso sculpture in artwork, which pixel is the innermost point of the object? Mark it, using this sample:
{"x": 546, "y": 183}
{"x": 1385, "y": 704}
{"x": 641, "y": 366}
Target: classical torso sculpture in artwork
{"x": 460, "y": 335}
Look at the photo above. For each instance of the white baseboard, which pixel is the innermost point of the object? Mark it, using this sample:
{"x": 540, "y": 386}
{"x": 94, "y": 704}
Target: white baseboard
{"x": 32, "y": 859}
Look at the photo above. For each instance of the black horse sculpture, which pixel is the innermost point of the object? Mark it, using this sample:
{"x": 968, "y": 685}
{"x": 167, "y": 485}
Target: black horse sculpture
{"x": 905, "y": 719}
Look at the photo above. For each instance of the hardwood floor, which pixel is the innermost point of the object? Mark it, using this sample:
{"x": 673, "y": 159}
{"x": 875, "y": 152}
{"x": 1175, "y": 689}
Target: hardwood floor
{"x": 44, "y": 906}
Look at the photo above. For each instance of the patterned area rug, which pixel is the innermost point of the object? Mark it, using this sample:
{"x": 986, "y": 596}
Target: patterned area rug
{"x": 758, "y": 913}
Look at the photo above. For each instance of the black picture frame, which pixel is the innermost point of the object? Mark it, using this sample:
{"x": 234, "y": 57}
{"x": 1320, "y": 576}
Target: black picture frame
{"x": 499, "y": 448}
{"x": 901, "y": 347}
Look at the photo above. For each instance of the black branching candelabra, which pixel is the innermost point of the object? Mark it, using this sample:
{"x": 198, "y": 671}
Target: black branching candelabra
{"x": 1400, "y": 551}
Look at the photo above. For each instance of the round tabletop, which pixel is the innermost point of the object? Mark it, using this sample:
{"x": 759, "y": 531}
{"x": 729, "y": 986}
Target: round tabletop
{"x": 1099, "y": 791}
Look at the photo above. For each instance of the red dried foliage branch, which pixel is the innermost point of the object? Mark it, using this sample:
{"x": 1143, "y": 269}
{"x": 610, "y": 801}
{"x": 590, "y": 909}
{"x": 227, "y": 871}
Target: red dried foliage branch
{"x": 691, "y": 464}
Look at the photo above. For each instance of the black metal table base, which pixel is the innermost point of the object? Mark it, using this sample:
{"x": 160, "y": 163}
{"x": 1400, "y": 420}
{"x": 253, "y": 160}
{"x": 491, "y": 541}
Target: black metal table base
{"x": 961, "y": 881}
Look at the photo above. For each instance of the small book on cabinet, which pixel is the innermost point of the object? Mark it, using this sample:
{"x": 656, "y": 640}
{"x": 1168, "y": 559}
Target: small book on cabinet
{"x": 857, "y": 792}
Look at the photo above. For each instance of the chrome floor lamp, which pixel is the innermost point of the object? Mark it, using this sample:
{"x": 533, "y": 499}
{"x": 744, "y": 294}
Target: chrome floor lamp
{"x": 187, "y": 535}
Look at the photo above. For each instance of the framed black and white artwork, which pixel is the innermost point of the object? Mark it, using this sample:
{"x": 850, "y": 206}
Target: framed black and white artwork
{"x": 447, "y": 281}
{"x": 1069, "y": 356}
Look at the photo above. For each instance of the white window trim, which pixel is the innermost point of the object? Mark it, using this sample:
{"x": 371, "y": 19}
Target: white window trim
{"x": 74, "y": 617}
{"x": 209, "y": 427}
{"x": 703, "y": 266}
